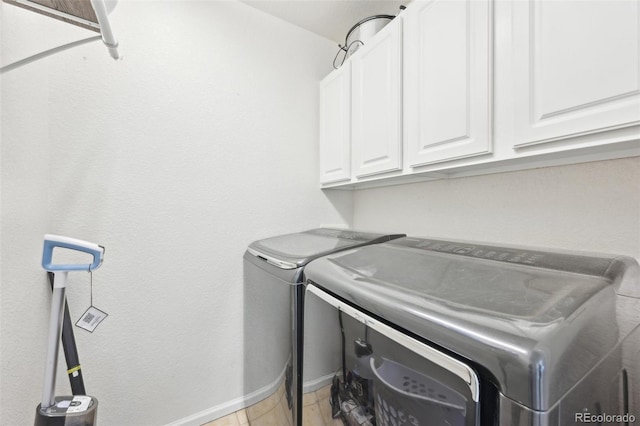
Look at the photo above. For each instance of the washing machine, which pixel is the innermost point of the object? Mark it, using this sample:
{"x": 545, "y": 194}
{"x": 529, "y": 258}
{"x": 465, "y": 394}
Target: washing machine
{"x": 434, "y": 332}
{"x": 274, "y": 305}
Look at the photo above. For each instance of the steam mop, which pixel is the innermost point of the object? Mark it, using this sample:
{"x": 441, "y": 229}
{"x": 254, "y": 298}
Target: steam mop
{"x": 70, "y": 350}
{"x": 77, "y": 410}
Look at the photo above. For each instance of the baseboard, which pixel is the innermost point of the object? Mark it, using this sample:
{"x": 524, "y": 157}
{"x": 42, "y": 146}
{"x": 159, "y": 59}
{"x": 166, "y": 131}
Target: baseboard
{"x": 228, "y": 407}
{"x": 232, "y": 406}
{"x": 320, "y": 382}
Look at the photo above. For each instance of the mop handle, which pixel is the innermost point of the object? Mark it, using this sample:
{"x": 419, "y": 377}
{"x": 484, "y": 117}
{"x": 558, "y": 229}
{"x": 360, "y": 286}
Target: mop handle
{"x": 53, "y": 345}
{"x": 52, "y": 241}
{"x": 58, "y": 299}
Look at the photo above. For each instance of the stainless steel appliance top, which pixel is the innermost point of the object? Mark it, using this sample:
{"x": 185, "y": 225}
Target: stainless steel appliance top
{"x": 539, "y": 321}
{"x": 295, "y": 250}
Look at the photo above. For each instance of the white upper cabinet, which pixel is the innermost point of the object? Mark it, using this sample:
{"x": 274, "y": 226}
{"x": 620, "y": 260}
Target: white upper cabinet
{"x": 377, "y": 103}
{"x": 576, "y": 68}
{"x": 335, "y": 126}
{"x": 462, "y": 87}
{"x": 448, "y": 80}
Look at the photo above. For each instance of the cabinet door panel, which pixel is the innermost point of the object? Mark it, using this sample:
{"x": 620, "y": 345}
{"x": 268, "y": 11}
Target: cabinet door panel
{"x": 335, "y": 126}
{"x": 577, "y": 68}
{"x": 447, "y": 80}
{"x": 376, "y": 108}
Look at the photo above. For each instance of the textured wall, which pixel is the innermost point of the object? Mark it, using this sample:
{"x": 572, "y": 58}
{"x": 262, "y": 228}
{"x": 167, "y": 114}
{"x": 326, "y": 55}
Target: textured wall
{"x": 201, "y": 140}
{"x": 591, "y": 206}
{"x": 24, "y": 213}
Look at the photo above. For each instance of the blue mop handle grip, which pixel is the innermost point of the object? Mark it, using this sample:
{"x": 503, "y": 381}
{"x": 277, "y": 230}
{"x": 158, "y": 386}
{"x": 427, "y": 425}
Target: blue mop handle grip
{"x": 53, "y": 241}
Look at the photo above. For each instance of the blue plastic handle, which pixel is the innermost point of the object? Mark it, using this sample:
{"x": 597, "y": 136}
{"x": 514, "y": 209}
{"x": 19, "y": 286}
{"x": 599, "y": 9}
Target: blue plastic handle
{"x": 53, "y": 241}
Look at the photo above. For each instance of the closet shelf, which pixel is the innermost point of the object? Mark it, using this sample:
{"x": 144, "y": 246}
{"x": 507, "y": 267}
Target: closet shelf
{"x": 75, "y": 12}
{"x": 89, "y": 14}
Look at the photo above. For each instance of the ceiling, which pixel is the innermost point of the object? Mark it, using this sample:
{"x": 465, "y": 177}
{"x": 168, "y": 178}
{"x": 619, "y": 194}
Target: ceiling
{"x": 331, "y": 19}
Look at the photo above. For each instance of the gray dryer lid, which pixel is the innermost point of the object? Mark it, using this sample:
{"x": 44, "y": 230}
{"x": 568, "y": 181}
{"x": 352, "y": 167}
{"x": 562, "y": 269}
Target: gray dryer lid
{"x": 295, "y": 250}
{"x": 539, "y": 321}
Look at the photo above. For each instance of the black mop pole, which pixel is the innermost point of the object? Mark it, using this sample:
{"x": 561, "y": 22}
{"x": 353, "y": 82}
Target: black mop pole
{"x": 70, "y": 350}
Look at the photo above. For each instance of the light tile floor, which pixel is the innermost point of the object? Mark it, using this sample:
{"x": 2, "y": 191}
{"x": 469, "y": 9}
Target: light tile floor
{"x": 273, "y": 411}
{"x": 316, "y": 410}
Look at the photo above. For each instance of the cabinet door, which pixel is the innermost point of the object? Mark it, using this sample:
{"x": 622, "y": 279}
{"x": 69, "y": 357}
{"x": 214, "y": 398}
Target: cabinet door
{"x": 576, "y": 68}
{"x": 335, "y": 126}
{"x": 377, "y": 103}
{"x": 448, "y": 80}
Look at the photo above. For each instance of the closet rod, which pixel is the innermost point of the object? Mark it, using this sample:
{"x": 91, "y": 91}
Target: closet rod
{"x": 46, "y": 53}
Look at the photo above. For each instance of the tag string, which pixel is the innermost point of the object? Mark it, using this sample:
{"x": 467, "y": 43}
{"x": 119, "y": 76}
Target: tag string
{"x": 91, "y": 285}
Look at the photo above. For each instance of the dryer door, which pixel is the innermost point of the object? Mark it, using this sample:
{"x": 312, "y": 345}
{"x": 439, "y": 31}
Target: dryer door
{"x": 391, "y": 378}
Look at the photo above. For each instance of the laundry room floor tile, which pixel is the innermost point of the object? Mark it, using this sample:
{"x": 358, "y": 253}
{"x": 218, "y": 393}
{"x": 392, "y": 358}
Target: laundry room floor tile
{"x": 274, "y": 411}
{"x": 229, "y": 420}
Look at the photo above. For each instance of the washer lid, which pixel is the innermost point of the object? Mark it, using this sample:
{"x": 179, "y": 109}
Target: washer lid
{"x": 295, "y": 250}
{"x": 538, "y": 321}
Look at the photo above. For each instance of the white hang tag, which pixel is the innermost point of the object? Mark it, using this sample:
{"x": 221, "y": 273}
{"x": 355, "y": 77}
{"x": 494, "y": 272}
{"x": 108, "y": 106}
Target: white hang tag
{"x": 91, "y": 319}
{"x": 92, "y": 316}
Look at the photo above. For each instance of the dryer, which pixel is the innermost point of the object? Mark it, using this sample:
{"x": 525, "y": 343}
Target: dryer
{"x": 460, "y": 333}
{"x": 274, "y": 304}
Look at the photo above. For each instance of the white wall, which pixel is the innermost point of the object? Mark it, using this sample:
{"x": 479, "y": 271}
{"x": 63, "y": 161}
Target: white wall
{"x": 592, "y": 206}
{"x": 200, "y": 141}
{"x": 24, "y": 217}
